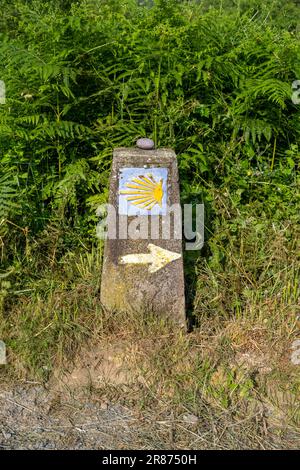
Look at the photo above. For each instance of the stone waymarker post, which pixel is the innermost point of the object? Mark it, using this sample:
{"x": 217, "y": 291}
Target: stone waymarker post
{"x": 143, "y": 265}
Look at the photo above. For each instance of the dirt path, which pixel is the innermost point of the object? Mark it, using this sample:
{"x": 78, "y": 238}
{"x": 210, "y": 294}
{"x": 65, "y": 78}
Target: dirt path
{"x": 32, "y": 418}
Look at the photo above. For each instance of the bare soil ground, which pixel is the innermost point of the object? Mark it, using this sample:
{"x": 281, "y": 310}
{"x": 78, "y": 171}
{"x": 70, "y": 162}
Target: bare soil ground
{"x": 32, "y": 417}
{"x": 159, "y": 390}
{"x": 103, "y": 403}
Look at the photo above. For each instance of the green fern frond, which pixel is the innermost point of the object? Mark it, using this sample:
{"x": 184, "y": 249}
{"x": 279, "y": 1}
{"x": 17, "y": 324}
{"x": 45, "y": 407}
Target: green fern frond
{"x": 271, "y": 89}
{"x": 253, "y": 129}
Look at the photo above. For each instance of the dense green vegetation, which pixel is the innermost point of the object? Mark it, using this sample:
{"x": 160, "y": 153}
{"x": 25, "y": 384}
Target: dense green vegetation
{"x": 213, "y": 80}
{"x": 84, "y": 77}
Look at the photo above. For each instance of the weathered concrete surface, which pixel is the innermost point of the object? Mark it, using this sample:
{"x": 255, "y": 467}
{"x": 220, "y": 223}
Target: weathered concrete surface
{"x": 127, "y": 286}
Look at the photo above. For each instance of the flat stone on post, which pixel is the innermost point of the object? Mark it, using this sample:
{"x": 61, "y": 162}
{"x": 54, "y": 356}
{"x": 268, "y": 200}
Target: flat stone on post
{"x": 143, "y": 265}
{"x": 144, "y": 143}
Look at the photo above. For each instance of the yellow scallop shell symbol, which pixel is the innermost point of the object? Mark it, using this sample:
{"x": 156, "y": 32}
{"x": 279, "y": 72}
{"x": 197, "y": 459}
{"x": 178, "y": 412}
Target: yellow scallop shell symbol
{"x": 144, "y": 192}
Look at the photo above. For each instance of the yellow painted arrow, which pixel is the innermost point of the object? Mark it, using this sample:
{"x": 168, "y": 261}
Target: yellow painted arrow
{"x": 157, "y": 258}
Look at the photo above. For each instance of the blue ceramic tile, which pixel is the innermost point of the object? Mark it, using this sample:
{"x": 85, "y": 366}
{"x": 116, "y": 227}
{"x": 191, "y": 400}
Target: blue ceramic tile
{"x": 143, "y": 191}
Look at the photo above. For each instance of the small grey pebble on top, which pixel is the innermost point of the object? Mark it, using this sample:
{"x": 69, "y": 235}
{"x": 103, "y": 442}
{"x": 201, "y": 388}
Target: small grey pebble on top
{"x": 146, "y": 144}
